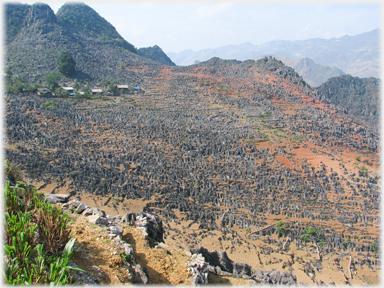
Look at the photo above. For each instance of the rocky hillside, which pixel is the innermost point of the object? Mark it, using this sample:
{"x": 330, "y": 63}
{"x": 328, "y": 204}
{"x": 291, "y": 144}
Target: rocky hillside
{"x": 356, "y": 96}
{"x": 241, "y": 157}
{"x": 156, "y": 54}
{"x": 84, "y": 22}
{"x": 314, "y": 74}
{"x": 34, "y": 46}
{"x": 14, "y": 20}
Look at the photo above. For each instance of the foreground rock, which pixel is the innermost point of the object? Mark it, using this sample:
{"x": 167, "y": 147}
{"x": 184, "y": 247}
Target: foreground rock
{"x": 202, "y": 262}
{"x": 150, "y": 225}
{"x": 221, "y": 262}
{"x": 274, "y": 277}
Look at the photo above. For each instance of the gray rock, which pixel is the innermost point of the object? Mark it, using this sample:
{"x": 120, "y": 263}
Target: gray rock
{"x": 81, "y": 208}
{"x": 87, "y": 212}
{"x": 141, "y": 273}
{"x": 96, "y": 219}
{"x": 115, "y": 230}
{"x": 128, "y": 250}
{"x": 57, "y": 198}
{"x": 97, "y": 211}
{"x": 71, "y": 205}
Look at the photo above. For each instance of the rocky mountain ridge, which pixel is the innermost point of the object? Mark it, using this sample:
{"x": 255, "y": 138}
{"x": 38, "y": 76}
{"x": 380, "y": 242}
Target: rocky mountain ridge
{"x": 34, "y": 46}
{"x": 356, "y": 96}
{"x": 155, "y": 53}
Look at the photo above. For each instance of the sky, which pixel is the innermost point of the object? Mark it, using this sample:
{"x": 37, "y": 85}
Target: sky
{"x": 198, "y": 25}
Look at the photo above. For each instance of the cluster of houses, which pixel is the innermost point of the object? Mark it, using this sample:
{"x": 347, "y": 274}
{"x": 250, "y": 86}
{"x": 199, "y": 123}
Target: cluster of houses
{"x": 122, "y": 90}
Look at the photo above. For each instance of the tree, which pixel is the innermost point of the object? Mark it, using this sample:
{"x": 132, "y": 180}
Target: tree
{"x": 52, "y": 80}
{"x": 281, "y": 227}
{"x": 66, "y": 64}
{"x": 105, "y": 83}
{"x": 87, "y": 90}
{"x": 76, "y": 85}
{"x": 60, "y": 92}
{"x": 78, "y": 96}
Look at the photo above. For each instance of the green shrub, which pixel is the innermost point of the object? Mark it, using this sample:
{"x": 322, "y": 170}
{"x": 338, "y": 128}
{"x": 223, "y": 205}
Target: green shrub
{"x": 281, "y": 227}
{"x": 25, "y": 262}
{"x": 52, "y": 80}
{"x": 49, "y": 105}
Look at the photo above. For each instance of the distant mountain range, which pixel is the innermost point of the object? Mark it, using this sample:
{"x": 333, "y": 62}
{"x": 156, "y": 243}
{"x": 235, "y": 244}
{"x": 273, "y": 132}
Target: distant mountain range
{"x": 357, "y": 55}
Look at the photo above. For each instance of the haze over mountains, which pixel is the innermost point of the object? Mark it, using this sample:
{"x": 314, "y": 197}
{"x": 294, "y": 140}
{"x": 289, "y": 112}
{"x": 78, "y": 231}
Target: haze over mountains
{"x": 356, "y": 55}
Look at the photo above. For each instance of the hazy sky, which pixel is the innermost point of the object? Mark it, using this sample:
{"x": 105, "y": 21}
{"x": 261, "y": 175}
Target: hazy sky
{"x": 197, "y": 25}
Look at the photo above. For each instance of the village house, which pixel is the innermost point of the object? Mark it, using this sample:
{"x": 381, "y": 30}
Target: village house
{"x": 96, "y": 91}
{"x": 42, "y": 91}
{"x": 123, "y": 89}
{"x": 69, "y": 89}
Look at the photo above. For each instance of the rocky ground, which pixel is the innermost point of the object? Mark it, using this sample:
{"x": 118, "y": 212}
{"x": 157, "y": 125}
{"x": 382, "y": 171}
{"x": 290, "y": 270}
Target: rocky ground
{"x": 219, "y": 151}
{"x": 99, "y": 253}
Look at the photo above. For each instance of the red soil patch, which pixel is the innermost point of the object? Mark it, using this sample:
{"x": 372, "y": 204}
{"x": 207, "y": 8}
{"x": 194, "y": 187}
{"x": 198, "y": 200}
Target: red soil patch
{"x": 286, "y": 162}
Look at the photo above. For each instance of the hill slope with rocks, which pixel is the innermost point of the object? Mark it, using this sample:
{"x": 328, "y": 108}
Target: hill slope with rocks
{"x": 314, "y": 74}
{"x": 98, "y": 50}
{"x": 356, "y": 96}
{"x": 156, "y": 54}
{"x": 222, "y": 151}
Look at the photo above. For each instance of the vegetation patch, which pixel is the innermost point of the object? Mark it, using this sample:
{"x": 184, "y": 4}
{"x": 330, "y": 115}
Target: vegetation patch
{"x": 49, "y": 105}
{"x": 265, "y": 115}
{"x": 37, "y": 245}
{"x": 254, "y": 141}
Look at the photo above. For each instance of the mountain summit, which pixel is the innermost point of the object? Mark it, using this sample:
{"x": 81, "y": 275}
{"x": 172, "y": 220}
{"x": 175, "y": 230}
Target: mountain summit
{"x": 36, "y": 37}
{"x": 82, "y": 21}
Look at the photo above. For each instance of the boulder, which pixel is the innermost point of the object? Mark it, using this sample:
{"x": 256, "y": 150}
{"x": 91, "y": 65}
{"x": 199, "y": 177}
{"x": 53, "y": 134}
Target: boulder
{"x": 115, "y": 230}
{"x": 152, "y": 226}
{"x": 274, "y": 277}
{"x": 97, "y": 211}
{"x": 221, "y": 260}
{"x": 199, "y": 270}
{"x": 128, "y": 250}
{"x": 87, "y": 212}
{"x": 96, "y": 219}
{"x": 71, "y": 205}
{"x": 80, "y": 209}
{"x": 56, "y": 198}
